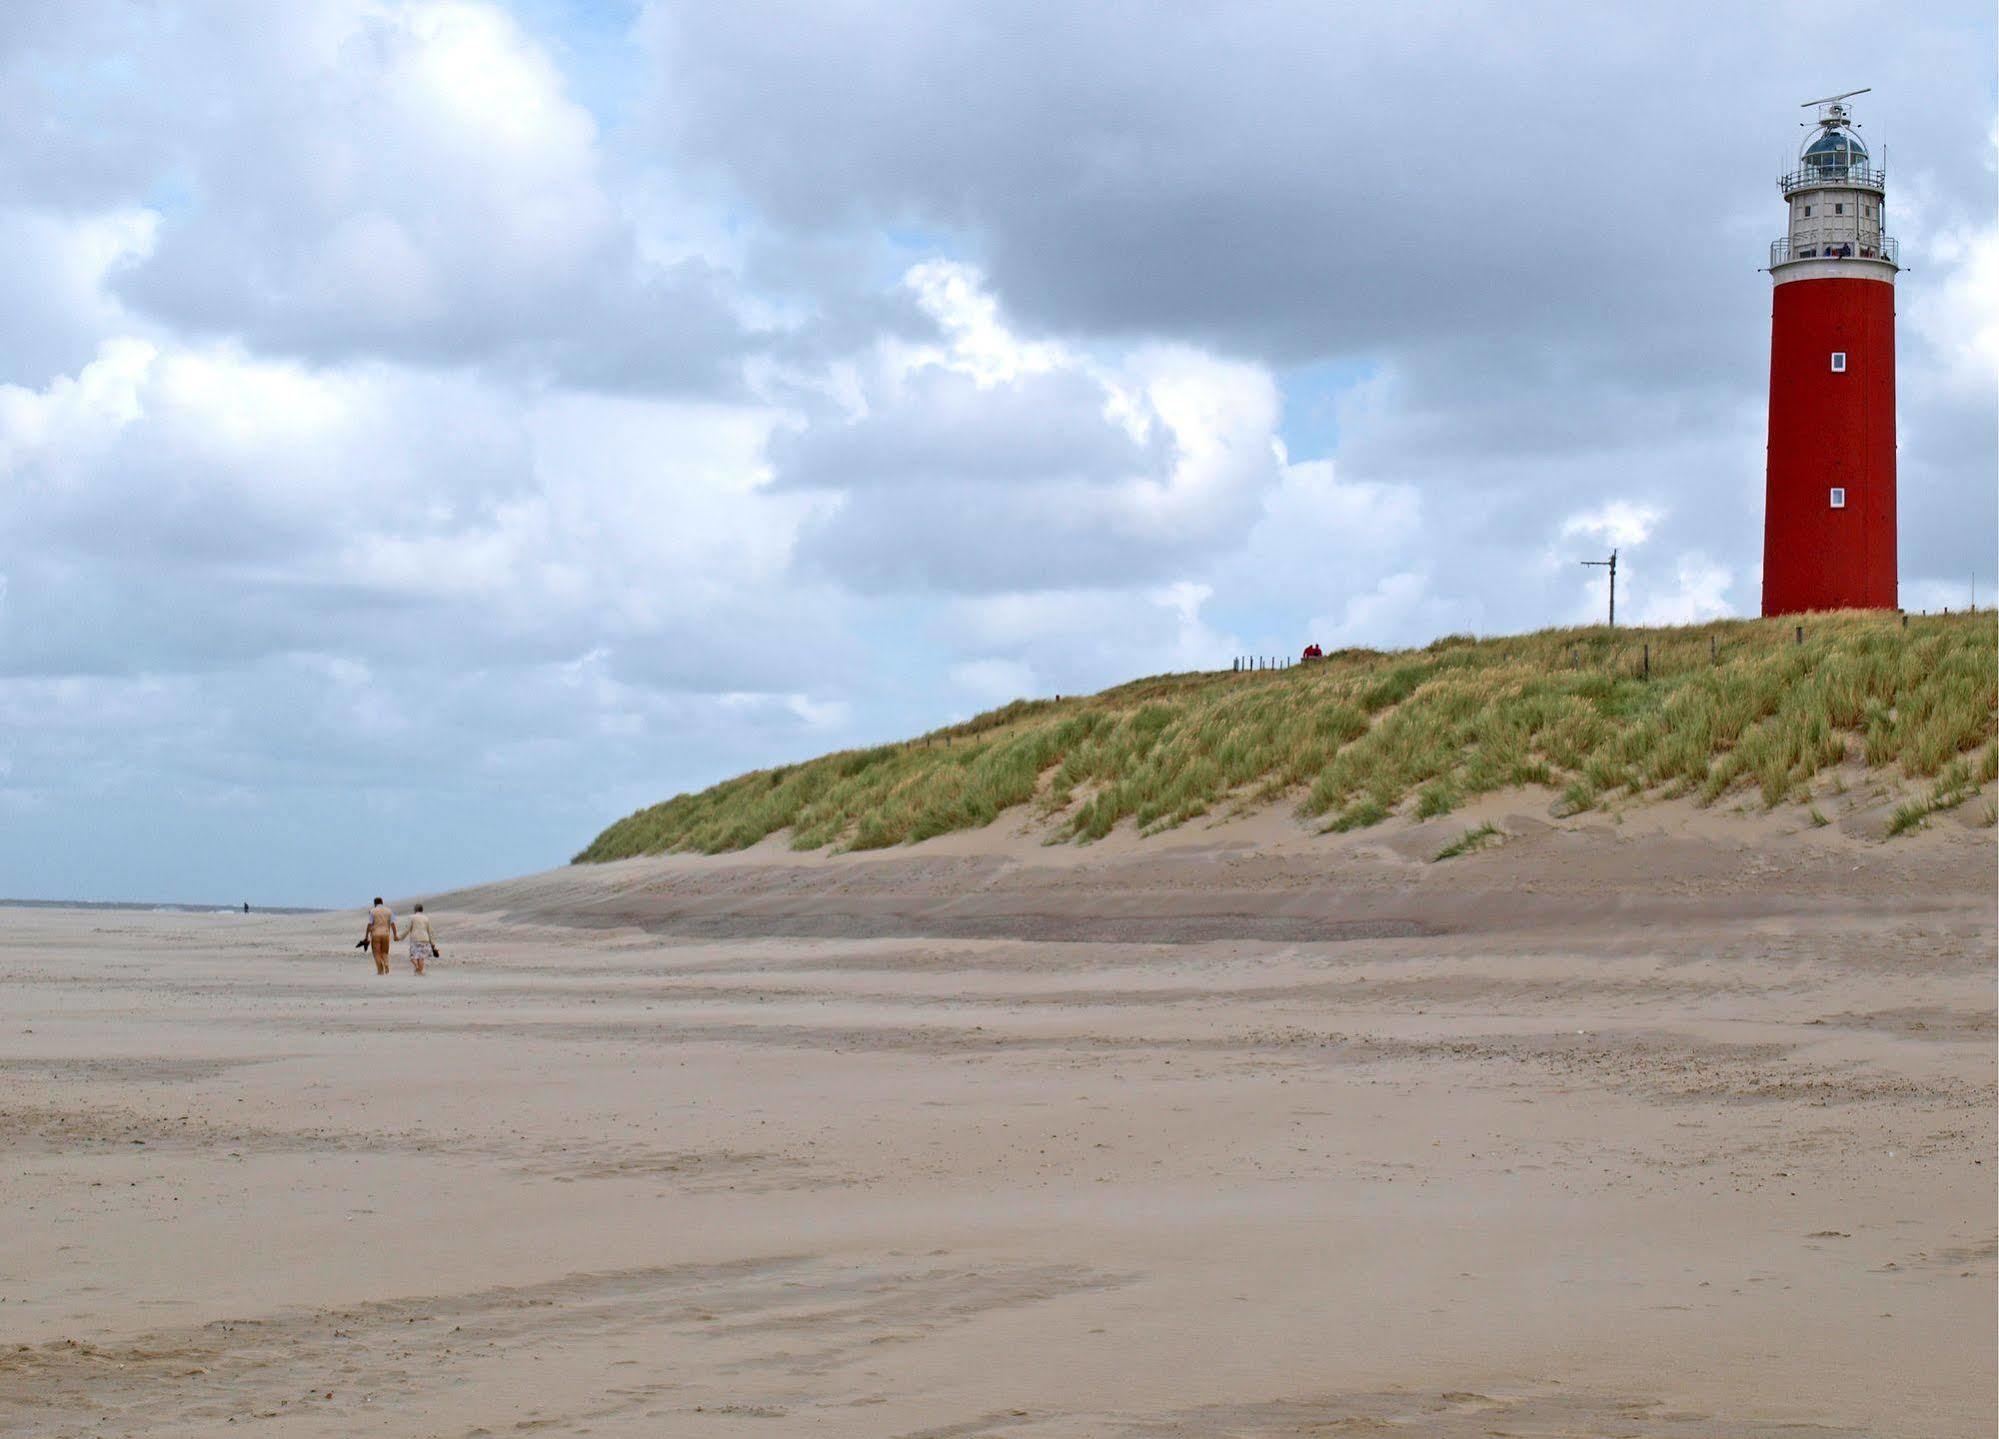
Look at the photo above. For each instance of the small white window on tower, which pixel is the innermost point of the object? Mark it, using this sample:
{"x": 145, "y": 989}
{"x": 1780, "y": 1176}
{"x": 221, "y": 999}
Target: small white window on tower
{"x": 1839, "y": 497}
{"x": 1839, "y": 362}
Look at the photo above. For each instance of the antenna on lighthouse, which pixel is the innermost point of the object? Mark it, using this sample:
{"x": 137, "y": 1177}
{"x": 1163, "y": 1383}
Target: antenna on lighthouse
{"x": 1835, "y": 99}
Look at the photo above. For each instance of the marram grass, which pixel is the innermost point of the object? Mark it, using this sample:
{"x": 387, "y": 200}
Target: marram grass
{"x": 1469, "y": 842}
{"x": 1730, "y": 708}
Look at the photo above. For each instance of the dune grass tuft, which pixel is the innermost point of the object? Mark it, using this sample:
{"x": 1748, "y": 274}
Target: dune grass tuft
{"x": 1472, "y": 839}
{"x": 1957, "y": 782}
{"x": 1733, "y": 708}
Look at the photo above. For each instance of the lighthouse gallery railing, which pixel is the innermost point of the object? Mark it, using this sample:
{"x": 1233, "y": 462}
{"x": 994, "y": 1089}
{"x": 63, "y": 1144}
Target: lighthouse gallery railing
{"x": 1818, "y": 177}
{"x": 1852, "y": 247}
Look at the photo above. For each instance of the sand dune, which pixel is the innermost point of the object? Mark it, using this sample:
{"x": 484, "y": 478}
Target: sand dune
{"x": 1680, "y": 1125}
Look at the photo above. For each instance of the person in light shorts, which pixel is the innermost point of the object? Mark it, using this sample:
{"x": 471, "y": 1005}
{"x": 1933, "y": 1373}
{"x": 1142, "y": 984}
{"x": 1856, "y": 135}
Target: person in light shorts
{"x": 423, "y": 944}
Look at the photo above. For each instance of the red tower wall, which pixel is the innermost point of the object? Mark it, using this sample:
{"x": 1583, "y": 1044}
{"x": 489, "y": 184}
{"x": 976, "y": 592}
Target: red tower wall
{"x": 1829, "y": 430}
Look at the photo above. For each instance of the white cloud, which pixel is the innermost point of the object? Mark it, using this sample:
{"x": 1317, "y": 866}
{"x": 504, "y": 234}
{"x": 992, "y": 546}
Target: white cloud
{"x": 1934, "y": 596}
{"x": 1063, "y": 641}
{"x": 1699, "y": 590}
{"x": 1113, "y": 468}
{"x": 994, "y": 682}
{"x": 1619, "y": 523}
{"x": 61, "y": 307}
{"x": 47, "y": 429}
{"x": 1222, "y": 416}
{"x": 360, "y": 178}
{"x": 978, "y": 343}
{"x": 239, "y": 505}
{"x": 1959, "y": 317}
{"x": 812, "y": 714}
{"x": 1396, "y": 605}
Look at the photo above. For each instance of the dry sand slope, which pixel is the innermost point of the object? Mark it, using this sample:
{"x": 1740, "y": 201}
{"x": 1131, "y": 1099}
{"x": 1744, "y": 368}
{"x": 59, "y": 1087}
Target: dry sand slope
{"x": 1683, "y": 1126}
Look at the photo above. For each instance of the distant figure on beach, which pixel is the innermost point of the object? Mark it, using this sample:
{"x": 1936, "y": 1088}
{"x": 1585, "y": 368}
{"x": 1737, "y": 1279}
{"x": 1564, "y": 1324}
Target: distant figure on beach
{"x": 246, "y": 906}
{"x": 423, "y": 944}
{"x": 381, "y": 929}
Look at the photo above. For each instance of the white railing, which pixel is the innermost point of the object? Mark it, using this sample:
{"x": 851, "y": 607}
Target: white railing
{"x": 1819, "y": 177}
{"x": 1865, "y": 247}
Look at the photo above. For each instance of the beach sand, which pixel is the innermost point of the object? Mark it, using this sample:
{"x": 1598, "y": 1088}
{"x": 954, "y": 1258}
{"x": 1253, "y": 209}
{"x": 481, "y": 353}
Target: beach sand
{"x": 1674, "y": 1123}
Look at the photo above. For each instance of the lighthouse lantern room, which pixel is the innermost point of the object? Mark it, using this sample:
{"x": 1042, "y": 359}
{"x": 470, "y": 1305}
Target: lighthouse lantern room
{"x": 1829, "y": 517}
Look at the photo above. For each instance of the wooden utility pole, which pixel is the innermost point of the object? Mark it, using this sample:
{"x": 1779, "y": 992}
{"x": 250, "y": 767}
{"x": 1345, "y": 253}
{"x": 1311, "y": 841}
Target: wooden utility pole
{"x": 1611, "y": 565}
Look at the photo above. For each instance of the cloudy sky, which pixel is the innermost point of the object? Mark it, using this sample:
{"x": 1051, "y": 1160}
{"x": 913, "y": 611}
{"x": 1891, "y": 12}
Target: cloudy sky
{"x": 430, "y": 429}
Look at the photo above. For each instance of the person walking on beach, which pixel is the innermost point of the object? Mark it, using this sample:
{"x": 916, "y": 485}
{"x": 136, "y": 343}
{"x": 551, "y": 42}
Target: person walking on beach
{"x": 423, "y": 944}
{"x": 381, "y": 929}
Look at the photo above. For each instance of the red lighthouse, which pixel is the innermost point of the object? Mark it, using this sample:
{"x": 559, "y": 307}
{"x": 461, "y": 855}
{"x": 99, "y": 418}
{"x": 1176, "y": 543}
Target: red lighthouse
{"x": 1829, "y": 513}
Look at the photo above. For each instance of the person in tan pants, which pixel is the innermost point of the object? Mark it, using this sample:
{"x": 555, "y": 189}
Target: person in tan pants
{"x": 381, "y": 929}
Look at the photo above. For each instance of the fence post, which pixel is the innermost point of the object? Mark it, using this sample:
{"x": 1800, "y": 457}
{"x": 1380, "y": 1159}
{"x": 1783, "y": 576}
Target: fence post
{"x": 1648, "y": 663}
{"x": 1712, "y": 650}
{"x": 1905, "y": 619}
{"x": 1801, "y": 634}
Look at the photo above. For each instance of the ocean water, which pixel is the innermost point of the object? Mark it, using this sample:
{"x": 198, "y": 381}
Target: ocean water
{"x": 154, "y": 906}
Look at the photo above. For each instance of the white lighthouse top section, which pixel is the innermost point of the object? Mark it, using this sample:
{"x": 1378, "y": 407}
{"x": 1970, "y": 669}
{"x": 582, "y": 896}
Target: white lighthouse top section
{"x": 1832, "y": 154}
{"x": 1837, "y": 198}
